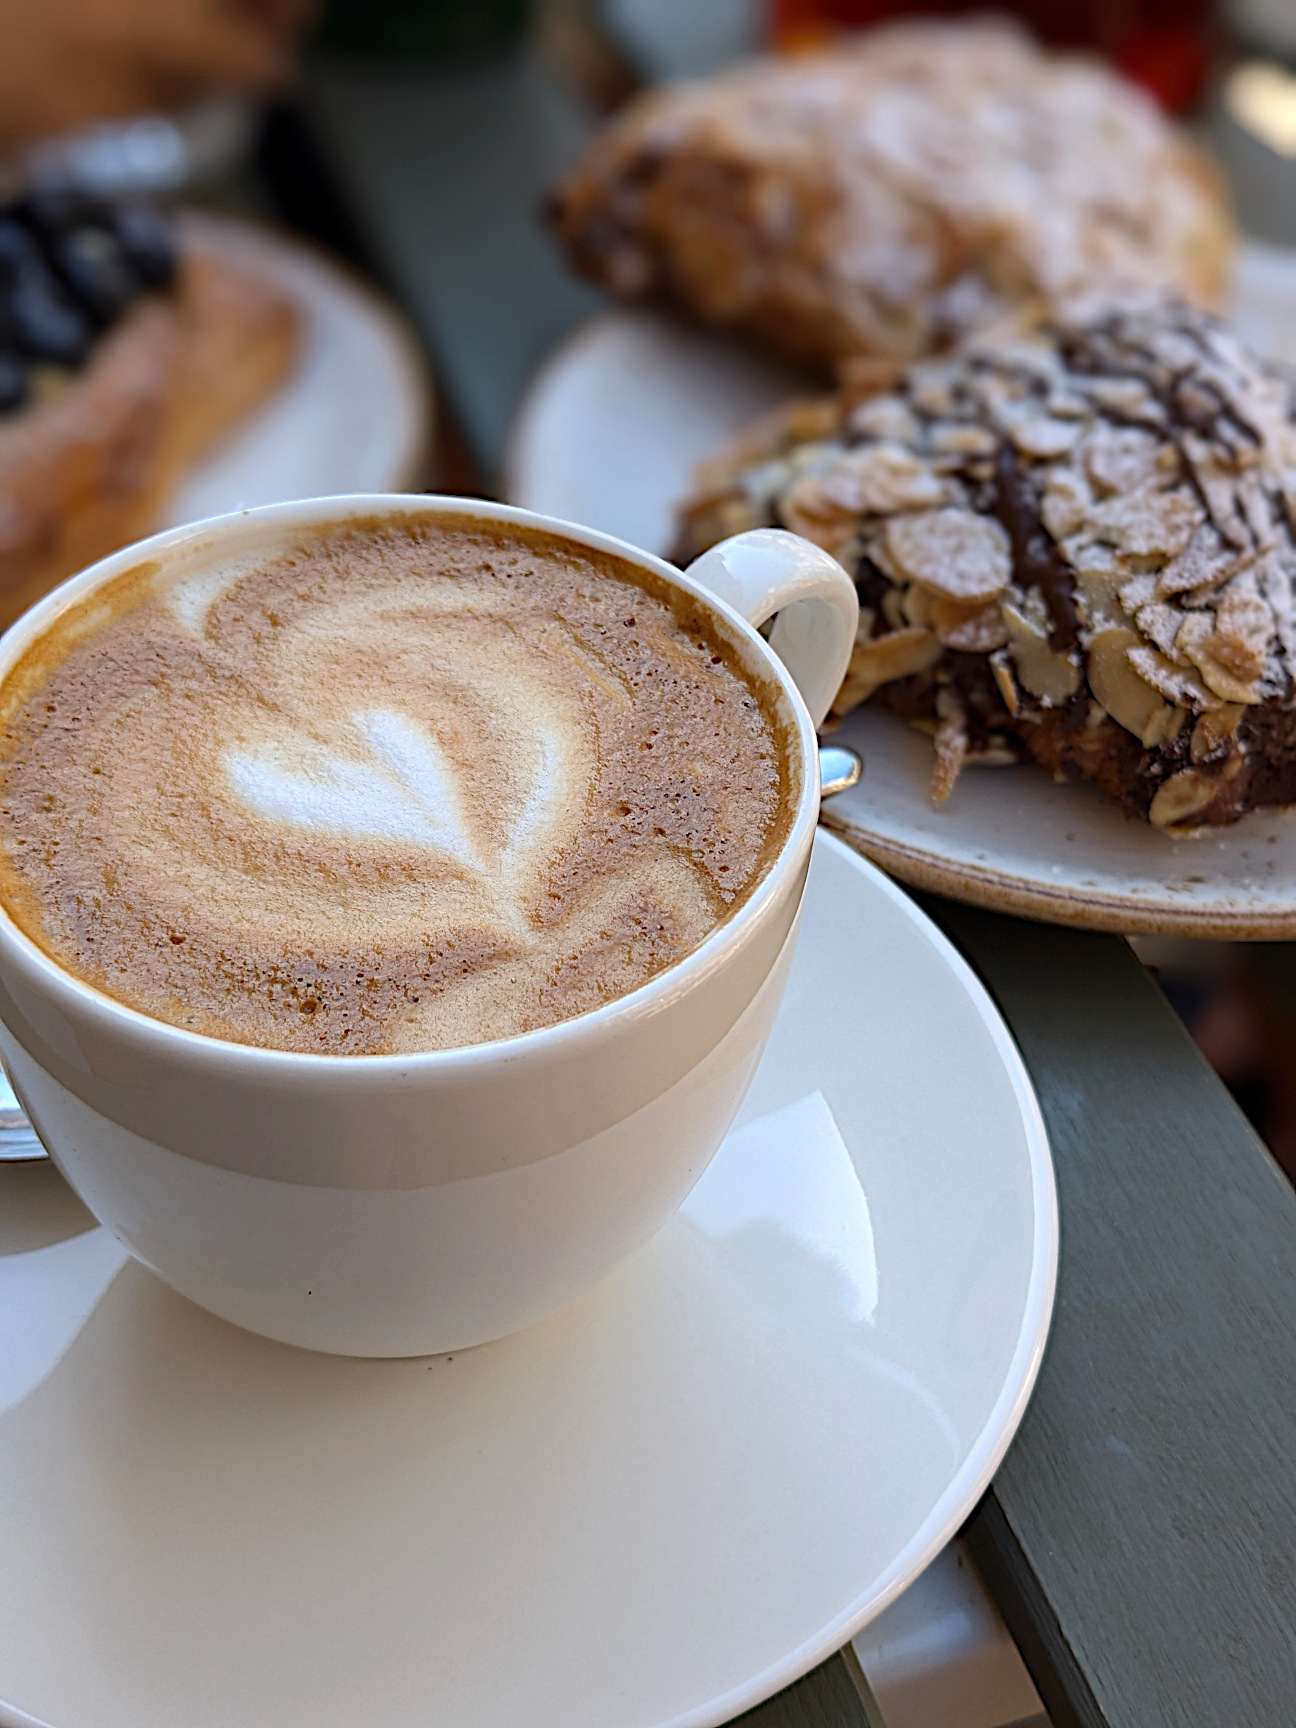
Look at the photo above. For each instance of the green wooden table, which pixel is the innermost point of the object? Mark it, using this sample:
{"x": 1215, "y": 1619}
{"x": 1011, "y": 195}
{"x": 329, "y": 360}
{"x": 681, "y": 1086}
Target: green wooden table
{"x": 1140, "y": 1538}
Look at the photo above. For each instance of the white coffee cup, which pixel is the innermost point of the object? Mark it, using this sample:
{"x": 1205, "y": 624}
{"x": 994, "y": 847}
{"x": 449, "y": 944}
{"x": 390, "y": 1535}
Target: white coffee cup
{"x": 405, "y": 1205}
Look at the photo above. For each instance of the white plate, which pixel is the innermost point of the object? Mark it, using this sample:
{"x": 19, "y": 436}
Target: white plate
{"x": 657, "y": 1508}
{"x": 608, "y": 436}
{"x": 352, "y": 416}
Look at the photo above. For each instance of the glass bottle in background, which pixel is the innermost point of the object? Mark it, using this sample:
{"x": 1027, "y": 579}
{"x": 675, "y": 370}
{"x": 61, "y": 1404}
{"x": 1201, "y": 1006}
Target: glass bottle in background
{"x": 1165, "y": 45}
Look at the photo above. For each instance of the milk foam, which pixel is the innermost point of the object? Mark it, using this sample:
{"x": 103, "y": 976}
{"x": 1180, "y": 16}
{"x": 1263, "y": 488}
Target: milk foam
{"x": 393, "y": 791}
{"x": 401, "y": 787}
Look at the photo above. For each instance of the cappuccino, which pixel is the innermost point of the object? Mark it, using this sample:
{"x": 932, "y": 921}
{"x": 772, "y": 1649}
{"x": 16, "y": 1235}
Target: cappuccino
{"x": 408, "y": 784}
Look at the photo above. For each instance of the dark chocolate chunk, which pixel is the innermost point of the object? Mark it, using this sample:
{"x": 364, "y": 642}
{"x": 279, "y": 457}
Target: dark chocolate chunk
{"x": 1036, "y": 563}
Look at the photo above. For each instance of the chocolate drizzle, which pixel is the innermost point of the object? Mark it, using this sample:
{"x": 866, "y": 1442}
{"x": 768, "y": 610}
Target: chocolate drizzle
{"x": 1036, "y": 563}
{"x": 1142, "y": 468}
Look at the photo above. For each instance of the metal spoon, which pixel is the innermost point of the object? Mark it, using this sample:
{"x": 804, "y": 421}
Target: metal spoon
{"x": 839, "y": 770}
{"x": 18, "y": 1140}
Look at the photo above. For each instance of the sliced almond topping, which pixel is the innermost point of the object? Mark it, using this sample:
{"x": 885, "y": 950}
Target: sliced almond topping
{"x": 1243, "y": 626}
{"x": 1130, "y": 701}
{"x": 1099, "y": 596}
{"x": 1041, "y": 436}
{"x": 1254, "y": 502}
{"x": 1225, "y": 684}
{"x": 1183, "y": 795}
{"x": 1120, "y": 395}
{"x": 1276, "y": 580}
{"x": 880, "y": 478}
{"x": 1205, "y": 561}
{"x": 932, "y": 384}
{"x": 807, "y": 419}
{"x": 885, "y": 417}
{"x": 873, "y": 543}
{"x": 1137, "y": 592}
{"x": 1160, "y": 623}
{"x": 1196, "y": 640}
{"x": 1003, "y": 677}
{"x": 959, "y": 438}
{"x": 1052, "y": 678}
{"x": 1066, "y": 501}
{"x": 1215, "y": 729}
{"x": 954, "y": 552}
{"x": 893, "y": 608}
{"x": 951, "y": 753}
{"x": 1218, "y": 486}
{"x": 898, "y": 654}
{"x": 972, "y": 629}
{"x": 816, "y": 515}
{"x": 1171, "y": 681}
{"x": 1121, "y": 458}
{"x": 916, "y": 607}
{"x": 1127, "y": 698}
{"x": 1147, "y": 522}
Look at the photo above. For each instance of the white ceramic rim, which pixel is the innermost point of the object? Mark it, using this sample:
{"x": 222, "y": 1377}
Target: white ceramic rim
{"x": 525, "y": 1048}
{"x": 977, "y": 1470}
{"x": 974, "y": 1475}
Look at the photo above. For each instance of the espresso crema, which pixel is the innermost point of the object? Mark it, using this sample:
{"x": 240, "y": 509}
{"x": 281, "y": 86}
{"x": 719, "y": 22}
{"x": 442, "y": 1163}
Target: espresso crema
{"x": 406, "y": 786}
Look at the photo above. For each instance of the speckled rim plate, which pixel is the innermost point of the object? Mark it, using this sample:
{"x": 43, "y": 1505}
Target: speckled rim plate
{"x": 608, "y": 435}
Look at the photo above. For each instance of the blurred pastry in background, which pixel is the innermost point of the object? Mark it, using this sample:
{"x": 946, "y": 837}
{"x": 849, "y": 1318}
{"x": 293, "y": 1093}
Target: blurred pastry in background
{"x": 68, "y": 63}
{"x": 123, "y": 357}
{"x": 1072, "y": 541}
{"x": 884, "y": 197}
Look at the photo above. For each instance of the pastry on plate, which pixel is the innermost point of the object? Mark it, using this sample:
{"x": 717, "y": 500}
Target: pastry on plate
{"x": 122, "y": 359}
{"x": 887, "y": 195}
{"x": 1072, "y": 540}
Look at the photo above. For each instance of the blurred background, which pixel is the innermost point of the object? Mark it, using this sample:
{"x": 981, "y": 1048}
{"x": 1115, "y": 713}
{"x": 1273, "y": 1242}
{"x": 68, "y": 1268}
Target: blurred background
{"x": 411, "y": 144}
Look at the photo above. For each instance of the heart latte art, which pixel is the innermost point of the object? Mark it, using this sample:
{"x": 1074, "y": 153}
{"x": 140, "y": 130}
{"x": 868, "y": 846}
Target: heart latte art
{"x": 403, "y": 787}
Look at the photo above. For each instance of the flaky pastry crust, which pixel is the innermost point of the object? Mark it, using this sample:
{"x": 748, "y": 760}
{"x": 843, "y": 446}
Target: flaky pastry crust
{"x": 886, "y": 196}
{"x": 88, "y": 469}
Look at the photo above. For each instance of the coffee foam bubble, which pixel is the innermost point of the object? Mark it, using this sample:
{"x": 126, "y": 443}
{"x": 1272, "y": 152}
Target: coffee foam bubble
{"x": 396, "y": 789}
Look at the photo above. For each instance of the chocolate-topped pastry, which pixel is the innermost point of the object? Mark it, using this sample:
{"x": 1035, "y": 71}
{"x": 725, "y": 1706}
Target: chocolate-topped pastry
{"x": 1073, "y": 540}
{"x": 889, "y": 194}
{"x": 123, "y": 354}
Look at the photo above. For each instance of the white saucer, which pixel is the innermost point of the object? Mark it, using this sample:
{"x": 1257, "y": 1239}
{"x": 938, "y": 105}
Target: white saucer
{"x": 609, "y": 435}
{"x": 657, "y": 1508}
{"x": 353, "y": 415}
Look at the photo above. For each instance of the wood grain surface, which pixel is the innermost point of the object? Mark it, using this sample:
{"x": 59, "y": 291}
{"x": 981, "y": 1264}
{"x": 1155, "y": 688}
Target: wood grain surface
{"x": 1140, "y": 1537}
{"x": 834, "y": 1695}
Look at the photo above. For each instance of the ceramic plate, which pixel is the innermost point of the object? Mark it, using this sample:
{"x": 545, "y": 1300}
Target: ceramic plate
{"x": 656, "y": 1508}
{"x": 609, "y": 435}
{"x": 353, "y": 415}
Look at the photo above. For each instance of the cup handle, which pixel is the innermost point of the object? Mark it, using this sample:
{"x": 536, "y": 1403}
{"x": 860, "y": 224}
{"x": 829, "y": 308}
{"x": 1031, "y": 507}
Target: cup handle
{"x": 768, "y": 571}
